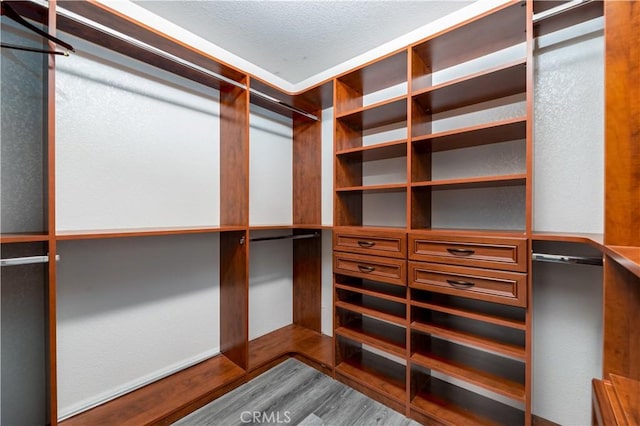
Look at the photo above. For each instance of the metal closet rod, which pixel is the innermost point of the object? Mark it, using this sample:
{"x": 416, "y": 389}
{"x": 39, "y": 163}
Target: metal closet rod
{"x": 561, "y": 258}
{"x": 559, "y": 9}
{"x": 287, "y": 237}
{"x": 26, "y": 260}
{"x": 169, "y": 56}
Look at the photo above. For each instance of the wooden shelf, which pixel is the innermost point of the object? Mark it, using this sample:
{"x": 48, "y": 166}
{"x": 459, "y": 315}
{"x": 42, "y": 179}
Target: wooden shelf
{"x": 450, "y": 404}
{"x": 627, "y": 257}
{"x": 594, "y": 240}
{"x": 465, "y": 313}
{"x": 584, "y": 12}
{"x": 474, "y": 182}
{"x": 381, "y": 151}
{"x": 142, "y": 232}
{"x": 285, "y": 226}
{"x": 492, "y": 382}
{"x": 23, "y": 237}
{"x": 186, "y": 391}
{"x": 484, "y": 134}
{"x": 376, "y": 373}
{"x": 472, "y": 39}
{"x": 391, "y": 187}
{"x": 470, "y": 232}
{"x": 386, "y": 337}
{"x": 289, "y": 340}
{"x": 376, "y": 289}
{"x": 376, "y": 115}
{"x": 495, "y": 83}
{"x": 395, "y": 318}
{"x": 513, "y": 351}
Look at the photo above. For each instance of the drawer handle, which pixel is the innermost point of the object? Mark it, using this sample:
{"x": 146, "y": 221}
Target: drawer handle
{"x": 366, "y": 268}
{"x": 460, "y": 252}
{"x": 366, "y": 244}
{"x": 460, "y": 283}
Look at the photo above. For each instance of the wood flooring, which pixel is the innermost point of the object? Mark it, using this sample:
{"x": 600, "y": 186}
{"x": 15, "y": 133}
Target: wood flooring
{"x": 293, "y": 393}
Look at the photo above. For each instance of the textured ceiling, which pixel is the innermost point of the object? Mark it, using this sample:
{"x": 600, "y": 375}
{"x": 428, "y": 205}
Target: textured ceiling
{"x": 296, "y": 40}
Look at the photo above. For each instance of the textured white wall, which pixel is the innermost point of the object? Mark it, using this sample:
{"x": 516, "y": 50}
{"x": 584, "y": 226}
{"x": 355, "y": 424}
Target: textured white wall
{"x": 327, "y": 283}
{"x": 270, "y": 283}
{"x": 270, "y": 168}
{"x": 132, "y": 310}
{"x": 135, "y": 146}
{"x": 569, "y": 130}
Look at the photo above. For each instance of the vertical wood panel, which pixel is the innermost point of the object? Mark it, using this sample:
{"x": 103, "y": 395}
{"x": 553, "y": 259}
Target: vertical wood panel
{"x": 622, "y": 128}
{"x": 51, "y": 313}
{"x": 621, "y": 318}
{"x": 234, "y": 301}
{"x": 307, "y": 168}
{"x": 234, "y": 156}
{"x": 307, "y": 283}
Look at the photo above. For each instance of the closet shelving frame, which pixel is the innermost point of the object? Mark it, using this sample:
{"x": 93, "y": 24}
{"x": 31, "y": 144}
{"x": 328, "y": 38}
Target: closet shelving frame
{"x": 394, "y": 332}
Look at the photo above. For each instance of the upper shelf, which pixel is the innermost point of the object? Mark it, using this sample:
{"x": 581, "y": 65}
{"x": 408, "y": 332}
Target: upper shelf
{"x": 376, "y": 115}
{"x": 495, "y": 132}
{"x": 381, "y": 151}
{"x": 546, "y": 20}
{"x": 471, "y": 39}
{"x": 495, "y": 83}
{"x": 141, "y": 232}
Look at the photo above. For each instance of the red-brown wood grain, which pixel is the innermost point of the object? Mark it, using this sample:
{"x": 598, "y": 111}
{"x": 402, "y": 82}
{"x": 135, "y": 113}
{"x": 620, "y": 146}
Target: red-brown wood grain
{"x": 307, "y": 170}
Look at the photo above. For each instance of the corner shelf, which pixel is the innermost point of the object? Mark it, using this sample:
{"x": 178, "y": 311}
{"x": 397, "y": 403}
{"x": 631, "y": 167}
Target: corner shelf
{"x": 142, "y": 232}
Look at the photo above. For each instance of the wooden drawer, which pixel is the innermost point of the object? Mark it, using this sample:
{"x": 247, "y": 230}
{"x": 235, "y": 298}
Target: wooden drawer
{"x": 509, "y": 288}
{"x": 377, "y": 243}
{"x": 509, "y": 254}
{"x": 392, "y": 271}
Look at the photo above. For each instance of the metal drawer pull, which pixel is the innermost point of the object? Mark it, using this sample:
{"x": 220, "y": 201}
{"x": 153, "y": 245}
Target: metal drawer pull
{"x": 366, "y": 243}
{"x": 461, "y": 252}
{"x": 460, "y": 283}
{"x": 366, "y": 268}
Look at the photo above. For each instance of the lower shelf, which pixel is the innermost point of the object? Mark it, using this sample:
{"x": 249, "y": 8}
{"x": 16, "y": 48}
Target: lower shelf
{"x": 290, "y": 339}
{"x": 167, "y": 399}
{"x": 377, "y": 373}
{"x": 451, "y": 404}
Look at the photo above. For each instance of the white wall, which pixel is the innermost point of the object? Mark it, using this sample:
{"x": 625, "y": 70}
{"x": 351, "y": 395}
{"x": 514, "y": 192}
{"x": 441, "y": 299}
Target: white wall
{"x": 327, "y": 166}
{"x": 131, "y": 310}
{"x": 569, "y": 130}
{"x": 270, "y": 283}
{"x": 270, "y": 168}
{"x": 135, "y": 146}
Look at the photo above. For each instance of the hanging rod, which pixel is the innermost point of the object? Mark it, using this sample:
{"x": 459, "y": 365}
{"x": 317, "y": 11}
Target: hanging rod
{"x": 560, "y": 258}
{"x": 287, "y": 237}
{"x": 166, "y": 55}
{"x": 285, "y": 105}
{"x": 559, "y": 9}
{"x": 26, "y": 260}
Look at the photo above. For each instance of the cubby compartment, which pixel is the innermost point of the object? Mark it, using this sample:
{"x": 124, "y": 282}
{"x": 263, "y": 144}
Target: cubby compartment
{"x": 376, "y": 206}
{"x": 495, "y": 373}
{"x": 493, "y": 205}
{"x": 383, "y": 375}
{"x": 497, "y": 338}
{"x": 378, "y": 334}
{"x": 433, "y": 398}
{"x": 391, "y": 310}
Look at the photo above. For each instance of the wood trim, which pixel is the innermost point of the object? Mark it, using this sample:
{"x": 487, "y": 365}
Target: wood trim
{"x": 234, "y": 149}
{"x": 234, "y": 294}
{"x": 622, "y": 126}
{"x": 307, "y": 282}
{"x": 307, "y": 170}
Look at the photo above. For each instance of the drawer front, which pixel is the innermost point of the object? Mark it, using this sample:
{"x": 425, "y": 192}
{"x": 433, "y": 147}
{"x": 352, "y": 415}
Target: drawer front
{"x": 509, "y": 288}
{"x": 389, "y": 244}
{"x": 509, "y": 254}
{"x": 392, "y": 271}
